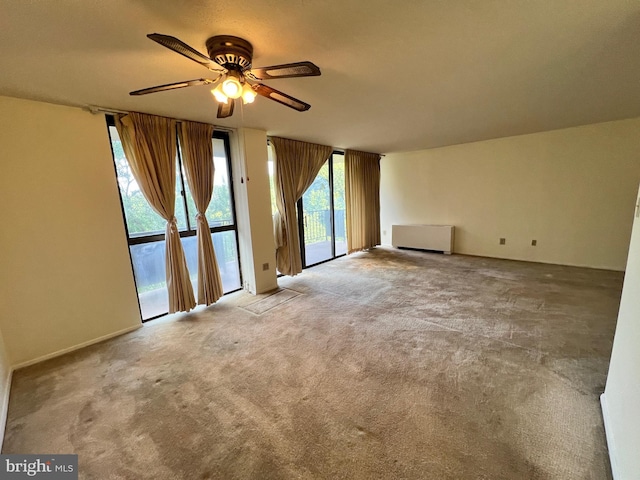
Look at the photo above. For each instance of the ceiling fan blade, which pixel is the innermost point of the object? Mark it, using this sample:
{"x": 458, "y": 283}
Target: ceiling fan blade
{"x": 172, "y": 43}
{"x": 226, "y": 109}
{"x": 288, "y": 70}
{"x": 280, "y": 97}
{"x": 173, "y": 86}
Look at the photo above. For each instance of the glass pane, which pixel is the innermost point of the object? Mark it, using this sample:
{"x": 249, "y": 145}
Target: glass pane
{"x": 191, "y": 206}
{"x": 225, "y": 246}
{"x": 149, "y": 269}
{"x": 338, "y": 204}
{"x": 316, "y": 204}
{"x": 141, "y": 219}
{"x": 219, "y": 212}
{"x": 181, "y": 217}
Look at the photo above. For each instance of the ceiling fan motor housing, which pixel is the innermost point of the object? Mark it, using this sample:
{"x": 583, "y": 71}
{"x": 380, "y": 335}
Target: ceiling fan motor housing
{"x": 233, "y": 53}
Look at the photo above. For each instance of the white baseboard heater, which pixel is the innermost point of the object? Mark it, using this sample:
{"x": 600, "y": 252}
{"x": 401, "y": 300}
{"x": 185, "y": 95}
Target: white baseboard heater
{"x": 423, "y": 237}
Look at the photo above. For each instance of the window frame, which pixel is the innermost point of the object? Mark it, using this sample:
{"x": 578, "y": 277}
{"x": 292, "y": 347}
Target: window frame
{"x": 190, "y": 231}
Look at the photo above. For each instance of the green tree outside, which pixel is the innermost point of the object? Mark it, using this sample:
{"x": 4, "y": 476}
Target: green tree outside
{"x": 317, "y": 203}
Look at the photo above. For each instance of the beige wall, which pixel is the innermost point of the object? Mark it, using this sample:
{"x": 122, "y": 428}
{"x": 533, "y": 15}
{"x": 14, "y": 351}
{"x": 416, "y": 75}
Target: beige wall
{"x": 572, "y": 190}
{"x": 66, "y": 277}
{"x": 253, "y": 209}
{"x": 622, "y": 393}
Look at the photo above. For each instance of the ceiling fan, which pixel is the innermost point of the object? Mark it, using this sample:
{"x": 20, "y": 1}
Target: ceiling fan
{"x": 230, "y": 58}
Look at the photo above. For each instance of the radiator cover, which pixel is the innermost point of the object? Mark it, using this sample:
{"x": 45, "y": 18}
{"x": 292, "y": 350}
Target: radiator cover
{"x": 423, "y": 237}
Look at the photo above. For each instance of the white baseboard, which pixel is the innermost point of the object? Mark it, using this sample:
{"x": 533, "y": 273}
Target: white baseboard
{"x": 609, "y": 433}
{"x": 5, "y": 405}
{"x": 75, "y": 347}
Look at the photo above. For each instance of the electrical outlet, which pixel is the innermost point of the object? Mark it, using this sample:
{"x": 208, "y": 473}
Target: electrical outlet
{"x": 503, "y": 241}
{"x": 265, "y": 266}
{"x": 534, "y": 243}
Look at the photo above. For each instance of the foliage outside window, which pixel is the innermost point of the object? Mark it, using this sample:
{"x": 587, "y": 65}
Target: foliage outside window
{"x": 146, "y": 228}
{"x": 323, "y": 225}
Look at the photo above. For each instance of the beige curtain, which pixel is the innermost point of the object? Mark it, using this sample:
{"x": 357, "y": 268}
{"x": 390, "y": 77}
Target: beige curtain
{"x": 362, "y": 198}
{"x": 296, "y": 166}
{"x": 197, "y": 158}
{"x": 149, "y": 143}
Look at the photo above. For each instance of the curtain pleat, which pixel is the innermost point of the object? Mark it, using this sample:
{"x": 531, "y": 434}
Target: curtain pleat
{"x": 149, "y": 143}
{"x": 295, "y": 168}
{"x": 197, "y": 158}
{"x": 362, "y": 198}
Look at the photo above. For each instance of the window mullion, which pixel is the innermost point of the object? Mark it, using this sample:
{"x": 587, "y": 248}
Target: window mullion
{"x": 331, "y": 209}
{"x": 183, "y": 192}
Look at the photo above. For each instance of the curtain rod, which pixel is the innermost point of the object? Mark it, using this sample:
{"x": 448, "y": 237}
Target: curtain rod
{"x": 114, "y": 111}
{"x": 335, "y": 149}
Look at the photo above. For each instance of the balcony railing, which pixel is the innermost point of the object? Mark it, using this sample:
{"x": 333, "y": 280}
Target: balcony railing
{"x": 317, "y": 226}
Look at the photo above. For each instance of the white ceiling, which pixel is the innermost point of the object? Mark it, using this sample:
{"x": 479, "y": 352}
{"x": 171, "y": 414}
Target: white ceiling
{"x": 396, "y": 76}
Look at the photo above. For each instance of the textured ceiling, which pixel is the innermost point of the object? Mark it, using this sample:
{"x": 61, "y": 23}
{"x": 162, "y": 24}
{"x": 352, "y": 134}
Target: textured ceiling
{"x": 396, "y": 76}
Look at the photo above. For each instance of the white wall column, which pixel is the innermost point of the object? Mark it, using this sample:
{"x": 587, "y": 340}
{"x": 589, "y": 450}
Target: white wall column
{"x": 622, "y": 394}
{"x": 253, "y": 210}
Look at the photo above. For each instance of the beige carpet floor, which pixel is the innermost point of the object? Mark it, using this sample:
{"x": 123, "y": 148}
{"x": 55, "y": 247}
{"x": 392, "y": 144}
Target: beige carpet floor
{"x": 388, "y": 364}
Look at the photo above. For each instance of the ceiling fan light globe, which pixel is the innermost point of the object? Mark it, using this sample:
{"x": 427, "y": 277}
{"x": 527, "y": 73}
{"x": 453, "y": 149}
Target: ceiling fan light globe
{"x": 232, "y": 88}
{"x": 248, "y": 94}
{"x": 219, "y": 95}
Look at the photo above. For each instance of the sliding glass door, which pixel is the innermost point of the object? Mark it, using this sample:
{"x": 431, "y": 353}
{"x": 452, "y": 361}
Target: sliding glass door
{"x": 321, "y": 214}
{"x": 145, "y": 228}
{"x": 340, "y": 219}
{"x": 316, "y": 219}
{"x": 321, "y": 218}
